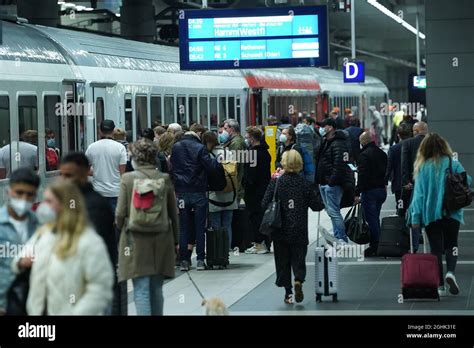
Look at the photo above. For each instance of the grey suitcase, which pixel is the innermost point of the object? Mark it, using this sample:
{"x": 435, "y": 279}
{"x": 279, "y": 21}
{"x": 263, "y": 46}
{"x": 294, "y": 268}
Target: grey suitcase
{"x": 326, "y": 271}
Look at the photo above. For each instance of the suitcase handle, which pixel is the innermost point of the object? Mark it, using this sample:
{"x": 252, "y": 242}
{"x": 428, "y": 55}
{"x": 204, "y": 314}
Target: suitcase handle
{"x": 423, "y": 233}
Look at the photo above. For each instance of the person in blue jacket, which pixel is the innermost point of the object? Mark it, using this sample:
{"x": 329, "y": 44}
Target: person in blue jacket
{"x": 426, "y": 208}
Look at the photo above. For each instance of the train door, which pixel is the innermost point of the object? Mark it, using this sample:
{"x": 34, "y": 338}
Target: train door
{"x": 99, "y": 109}
{"x": 322, "y": 106}
{"x": 258, "y": 106}
{"x": 73, "y": 129}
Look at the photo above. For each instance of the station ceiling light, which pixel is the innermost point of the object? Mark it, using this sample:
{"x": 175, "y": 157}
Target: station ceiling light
{"x": 396, "y": 18}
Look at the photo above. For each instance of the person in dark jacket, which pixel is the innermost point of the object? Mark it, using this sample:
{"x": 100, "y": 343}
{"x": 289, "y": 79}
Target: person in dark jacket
{"x": 394, "y": 167}
{"x": 333, "y": 173}
{"x": 287, "y": 141}
{"x": 354, "y": 131}
{"x": 335, "y": 116}
{"x": 75, "y": 167}
{"x": 291, "y": 241}
{"x": 255, "y": 181}
{"x": 191, "y": 164}
{"x": 371, "y": 188}
{"x": 409, "y": 151}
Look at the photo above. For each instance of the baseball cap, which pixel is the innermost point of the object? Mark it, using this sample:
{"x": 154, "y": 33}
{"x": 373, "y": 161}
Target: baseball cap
{"x": 327, "y": 122}
{"x": 107, "y": 126}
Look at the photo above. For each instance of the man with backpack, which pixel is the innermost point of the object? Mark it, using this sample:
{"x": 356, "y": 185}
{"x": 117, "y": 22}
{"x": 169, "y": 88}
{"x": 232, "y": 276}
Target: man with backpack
{"x": 191, "y": 165}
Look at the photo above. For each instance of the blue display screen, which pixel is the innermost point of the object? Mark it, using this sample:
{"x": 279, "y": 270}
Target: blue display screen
{"x": 277, "y": 37}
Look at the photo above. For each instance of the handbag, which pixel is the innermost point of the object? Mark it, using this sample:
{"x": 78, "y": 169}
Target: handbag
{"x": 357, "y": 228}
{"x": 457, "y": 194}
{"x": 18, "y": 294}
{"x": 271, "y": 220}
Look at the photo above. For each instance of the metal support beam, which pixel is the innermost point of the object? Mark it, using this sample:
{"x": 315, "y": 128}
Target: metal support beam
{"x": 353, "y": 29}
{"x": 418, "y": 67}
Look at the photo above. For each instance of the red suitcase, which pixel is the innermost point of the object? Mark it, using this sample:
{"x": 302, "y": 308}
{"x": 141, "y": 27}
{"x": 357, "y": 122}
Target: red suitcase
{"x": 419, "y": 274}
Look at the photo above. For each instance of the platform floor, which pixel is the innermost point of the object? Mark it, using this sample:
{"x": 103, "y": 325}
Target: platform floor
{"x": 366, "y": 287}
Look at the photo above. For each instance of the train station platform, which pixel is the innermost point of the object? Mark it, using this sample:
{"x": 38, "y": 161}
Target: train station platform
{"x": 366, "y": 287}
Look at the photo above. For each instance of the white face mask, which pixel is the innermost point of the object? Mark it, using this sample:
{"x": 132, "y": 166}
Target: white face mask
{"x": 45, "y": 213}
{"x": 20, "y": 206}
{"x": 283, "y": 138}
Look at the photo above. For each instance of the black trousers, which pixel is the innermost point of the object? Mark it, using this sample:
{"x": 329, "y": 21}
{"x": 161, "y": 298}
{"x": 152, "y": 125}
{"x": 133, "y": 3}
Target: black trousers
{"x": 255, "y": 211}
{"x": 289, "y": 257}
{"x": 443, "y": 237}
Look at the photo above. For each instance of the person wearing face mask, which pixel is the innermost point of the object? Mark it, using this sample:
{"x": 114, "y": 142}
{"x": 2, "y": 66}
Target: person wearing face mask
{"x": 235, "y": 143}
{"x": 52, "y": 154}
{"x": 333, "y": 173}
{"x": 287, "y": 142}
{"x": 71, "y": 272}
{"x": 17, "y": 223}
{"x": 371, "y": 187}
{"x": 51, "y": 141}
{"x": 255, "y": 181}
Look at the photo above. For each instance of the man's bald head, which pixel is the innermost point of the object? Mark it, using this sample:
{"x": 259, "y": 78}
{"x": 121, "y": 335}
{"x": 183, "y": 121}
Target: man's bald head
{"x": 365, "y": 138}
{"x": 420, "y": 128}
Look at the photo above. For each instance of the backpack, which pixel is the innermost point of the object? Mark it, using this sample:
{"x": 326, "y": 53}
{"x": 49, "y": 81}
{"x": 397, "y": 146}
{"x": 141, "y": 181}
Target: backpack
{"x": 148, "y": 206}
{"x": 230, "y": 170}
{"x": 457, "y": 193}
{"x": 216, "y": 180}
{"x": 52, "y": 159}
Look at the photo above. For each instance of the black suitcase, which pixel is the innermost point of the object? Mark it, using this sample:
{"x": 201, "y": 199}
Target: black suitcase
{"x": 217, "y": 247}
{"x": 394, "y": 237}
{"x": 241, "y": 233}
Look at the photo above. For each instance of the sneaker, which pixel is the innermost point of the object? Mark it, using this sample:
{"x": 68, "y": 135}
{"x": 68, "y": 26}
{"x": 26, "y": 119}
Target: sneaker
{"x": 200, "y": 265}
{"x": 262, "y": 248}
{"x": 453, "y": 285}
{"x": 184, "y": 266}
{"x": 252, "y": 249}
{"x": 299, "y": 296}
{"x": 442, "y": 291}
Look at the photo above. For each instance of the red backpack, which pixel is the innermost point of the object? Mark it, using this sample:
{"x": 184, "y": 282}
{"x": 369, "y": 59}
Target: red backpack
{"x": 52, "y": 159}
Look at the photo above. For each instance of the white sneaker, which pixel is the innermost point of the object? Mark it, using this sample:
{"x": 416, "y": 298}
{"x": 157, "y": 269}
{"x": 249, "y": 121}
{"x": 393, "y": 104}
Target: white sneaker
{"x": 453, "y": 285}
{"x": 442, "y": 291}
{"x": 262, "y": 248}
{"x": 252, "y": 249}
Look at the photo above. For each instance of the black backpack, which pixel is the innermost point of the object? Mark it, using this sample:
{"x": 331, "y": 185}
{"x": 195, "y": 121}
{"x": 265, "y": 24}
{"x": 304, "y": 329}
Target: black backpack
{"x": 457, "y": 193}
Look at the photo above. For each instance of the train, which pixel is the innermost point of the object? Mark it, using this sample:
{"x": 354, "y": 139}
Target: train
{"x": 69, "y": 81}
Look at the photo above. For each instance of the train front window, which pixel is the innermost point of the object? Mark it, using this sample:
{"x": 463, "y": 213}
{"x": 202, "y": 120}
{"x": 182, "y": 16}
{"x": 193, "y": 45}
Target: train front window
{"x": 141, "y": 114}
{"x": 156, "y": 117}
{"x": 169, "y": 109}
{"x": 26, "y": 151}
{"x": 5, "y": 136}
{"x": 128, "y": 118}
{"x": 52, "y": 131}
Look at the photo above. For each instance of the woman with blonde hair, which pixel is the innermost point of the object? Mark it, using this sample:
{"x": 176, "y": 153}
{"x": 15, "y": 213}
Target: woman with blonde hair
{"x": 164, "y": 152}
{"x": 71, "y": 271}
{"x": 426, "y": 209}
{"x": 296, "y": 195}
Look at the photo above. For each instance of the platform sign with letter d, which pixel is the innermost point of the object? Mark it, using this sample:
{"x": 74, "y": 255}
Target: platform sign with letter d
{"x": 354, "y": 72}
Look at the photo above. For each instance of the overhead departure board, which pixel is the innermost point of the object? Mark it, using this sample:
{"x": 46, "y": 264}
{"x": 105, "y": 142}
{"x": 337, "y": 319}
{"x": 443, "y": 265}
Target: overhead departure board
{"x": 253, "y": 38}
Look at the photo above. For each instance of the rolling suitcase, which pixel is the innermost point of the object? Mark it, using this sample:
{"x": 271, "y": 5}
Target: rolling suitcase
{"x": 326, "y": 271}
{"x": 217, "y": 248}
{"x": 394, "y": 237}
{"x": 241, "y": 233}
{"x": 419, "y": 275}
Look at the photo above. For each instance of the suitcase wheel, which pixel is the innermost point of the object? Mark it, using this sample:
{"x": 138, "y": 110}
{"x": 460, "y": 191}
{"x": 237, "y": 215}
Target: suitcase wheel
{"x": 334, "y": 298}
{"x": 318, "y": 297}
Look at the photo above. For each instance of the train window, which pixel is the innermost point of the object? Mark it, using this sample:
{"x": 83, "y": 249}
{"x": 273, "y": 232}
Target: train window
{"x": 181, "y": 108}
{"x": 192, "y": 110}
{"x": 52, "y": 131}
{"x": 99, "y": 113}
{"x": 169, "y": 109}
{"x": 237, "y": 109}
{"x": 222, "y": 109}
{"x": 28, "y": 130}
{"x": 231, "y": 107}
{"x": 128, "y": 118}
{"x": 155, "y": 109}
{"x": 203, "y": 112}
{"x": 5, "y": 137}
{"x": 141, "y": 113}
{"x": 213, "y": 112}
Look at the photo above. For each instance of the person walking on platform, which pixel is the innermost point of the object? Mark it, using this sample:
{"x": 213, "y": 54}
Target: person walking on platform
{"x": 291, "y": 241}
{"x": 394, "y": 167}
{"x": 442, "y": 227}
{"x": 17, "y": 223}
{"x": 409, "y": 152}
{"x": 235, "y": 143}
{"x": 75, "y": 168}
{"x": 255, "y": 181}
{"x": 371, "y": 190}
{"x": 354, "y": 132}
{"x": 71, "y": 271}
{"x": 191, "y": 165}
{"x": 333, "y": 173}
{"x": 147, "y": 245}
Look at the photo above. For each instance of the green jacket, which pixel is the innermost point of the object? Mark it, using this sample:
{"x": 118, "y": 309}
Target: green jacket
{"x": 237, "y": 143}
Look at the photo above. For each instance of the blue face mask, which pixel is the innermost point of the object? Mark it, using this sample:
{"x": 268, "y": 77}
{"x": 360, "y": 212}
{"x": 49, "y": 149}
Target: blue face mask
{"x": 322, "y": 131}
{"x": 51, "y": 143}
{"x": 223, "y": 137}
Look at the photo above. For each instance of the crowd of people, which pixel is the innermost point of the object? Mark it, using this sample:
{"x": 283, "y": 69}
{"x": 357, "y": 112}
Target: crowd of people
{"x": 135, "y": 211}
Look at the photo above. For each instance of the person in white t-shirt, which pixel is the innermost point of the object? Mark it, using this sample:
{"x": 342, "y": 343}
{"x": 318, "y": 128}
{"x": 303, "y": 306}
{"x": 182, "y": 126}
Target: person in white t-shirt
{"x": 108, "y": 159}
{"x": 25, "y": 153}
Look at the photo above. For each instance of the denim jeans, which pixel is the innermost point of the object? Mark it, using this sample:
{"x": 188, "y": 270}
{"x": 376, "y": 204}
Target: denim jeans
{"x": 148, "y": 294}
{"x": 372, "y": 201}
{"x": 331, "y": 196}
{"x": 222, "y": 218}
{"x": 192, "y": 203}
